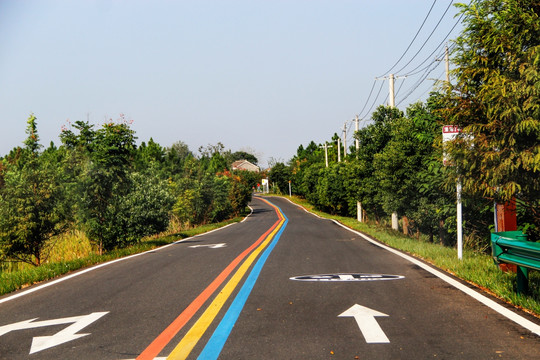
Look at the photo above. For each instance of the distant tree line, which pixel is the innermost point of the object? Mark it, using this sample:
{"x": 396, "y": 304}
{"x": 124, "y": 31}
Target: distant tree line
{"x": 99, "y": 181}
{"x": 494, "y": 98}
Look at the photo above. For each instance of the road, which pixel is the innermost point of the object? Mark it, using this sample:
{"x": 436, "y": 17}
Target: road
{"x": 283, "y": 284}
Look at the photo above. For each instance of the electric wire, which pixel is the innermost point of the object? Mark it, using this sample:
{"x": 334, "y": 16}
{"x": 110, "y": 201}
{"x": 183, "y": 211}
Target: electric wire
{"x": 369, "y": 96}
{"x": 429, "y": 88}
{"x": 417, "y": 84}
{"x": 412, "y": 72}
{"x": 425, "y": 71}
{"x": 374, "y": 100}
{"x": 437, "y": 58}
{"x": 400, "y": 86}
{"x": 437, "y": 48}
{"x": 412, "y": 41}
{"x": 429, "y": 37}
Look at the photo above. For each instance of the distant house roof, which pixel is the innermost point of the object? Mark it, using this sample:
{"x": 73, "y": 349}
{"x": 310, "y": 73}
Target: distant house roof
{"x": 245, "y": 165}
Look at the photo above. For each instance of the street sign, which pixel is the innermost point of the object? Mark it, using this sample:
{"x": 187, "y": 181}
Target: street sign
{"x": 449, "y": 133}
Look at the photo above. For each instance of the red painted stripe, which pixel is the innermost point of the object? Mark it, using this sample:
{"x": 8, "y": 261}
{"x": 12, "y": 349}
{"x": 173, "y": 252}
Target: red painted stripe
{"x": 166, "y": 336}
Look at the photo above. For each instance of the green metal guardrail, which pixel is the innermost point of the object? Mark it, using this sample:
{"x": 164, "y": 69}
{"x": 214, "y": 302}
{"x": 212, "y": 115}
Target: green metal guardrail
{"x": 512, "y": 247}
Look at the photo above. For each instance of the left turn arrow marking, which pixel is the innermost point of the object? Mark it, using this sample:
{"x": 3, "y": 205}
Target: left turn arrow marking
{"x": 40, "y": 343}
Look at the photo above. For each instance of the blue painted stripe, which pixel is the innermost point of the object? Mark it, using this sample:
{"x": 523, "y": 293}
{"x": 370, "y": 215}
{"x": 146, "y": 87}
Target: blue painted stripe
{"x": 221, "y": 334}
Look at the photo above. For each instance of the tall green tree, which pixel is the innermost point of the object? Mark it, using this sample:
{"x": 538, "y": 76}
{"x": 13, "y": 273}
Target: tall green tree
{"x": 105, "y": 157}
{"x": 279, "y": 176}
{"x": 496, "y": 101}
{"x": 373, "y": 139}
{"x": 30, "y": 204}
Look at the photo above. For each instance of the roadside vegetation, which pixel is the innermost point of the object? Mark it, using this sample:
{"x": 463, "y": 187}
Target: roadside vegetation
{"x": 99, "y": 196}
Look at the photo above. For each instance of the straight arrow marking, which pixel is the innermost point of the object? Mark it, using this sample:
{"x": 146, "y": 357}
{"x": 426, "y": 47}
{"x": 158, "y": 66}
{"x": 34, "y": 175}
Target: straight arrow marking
{"x": 365, "y": 318}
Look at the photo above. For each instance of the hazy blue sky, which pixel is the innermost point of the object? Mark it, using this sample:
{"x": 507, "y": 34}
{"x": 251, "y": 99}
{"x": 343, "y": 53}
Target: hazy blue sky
{"x": 260, "y": 75}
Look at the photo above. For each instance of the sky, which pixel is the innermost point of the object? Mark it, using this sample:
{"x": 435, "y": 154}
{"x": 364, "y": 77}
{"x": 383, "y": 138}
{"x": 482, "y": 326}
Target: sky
{"x": 257, "y": 76}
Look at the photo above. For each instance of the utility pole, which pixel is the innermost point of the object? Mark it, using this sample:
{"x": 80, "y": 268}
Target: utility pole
{"x": 356, "y": 128}
{"x": 447, "y": 67}
{"x": 326, "y": 146}
{"x": 345, "y": 140}
{"x": 359, "y": 215}
{"x": 392, "y": 102}
{"x": 338, "y": 150}
{"x": 391, "y": 99}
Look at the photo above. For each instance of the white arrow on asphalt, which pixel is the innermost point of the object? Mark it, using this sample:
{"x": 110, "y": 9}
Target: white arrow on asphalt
{"x": 40, "y": 343}
{"x": 365, "y": 318}
{"x": 211, "y": 246}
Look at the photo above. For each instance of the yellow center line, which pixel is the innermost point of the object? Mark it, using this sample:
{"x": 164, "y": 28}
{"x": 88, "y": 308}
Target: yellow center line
{"x": 188, "y": 342}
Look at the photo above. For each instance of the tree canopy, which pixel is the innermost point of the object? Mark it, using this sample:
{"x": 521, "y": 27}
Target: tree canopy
{"x": 496, "y": 99}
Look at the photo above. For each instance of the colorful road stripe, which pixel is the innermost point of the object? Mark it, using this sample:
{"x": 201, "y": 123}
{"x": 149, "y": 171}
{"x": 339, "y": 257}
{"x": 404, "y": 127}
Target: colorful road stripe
{"x": 221, "y": 334}
{"x": 153, "y": 350}
{"x": 188, "y": 342}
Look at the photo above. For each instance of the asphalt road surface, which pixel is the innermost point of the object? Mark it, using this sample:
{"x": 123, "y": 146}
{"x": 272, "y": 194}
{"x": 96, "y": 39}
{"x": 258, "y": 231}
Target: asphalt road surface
{"x": 283, "y": 284}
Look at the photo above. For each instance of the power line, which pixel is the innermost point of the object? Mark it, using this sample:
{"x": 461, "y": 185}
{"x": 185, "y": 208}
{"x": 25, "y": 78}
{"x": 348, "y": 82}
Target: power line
{"x": 412, "y": 41}
{"x": 429, "y": 68}
{"x": 369, "y": 96}
{"x": 429, "y": 37}
{"x": 373, "y": 104}
{"x": 415, "y": 86}
{"x": 424, "y": 71}
{"x": 422, "y": 79}
{"x": 437, "y": 48}
{"x": 429, "y": 88}
{"x": 400, "y": 86}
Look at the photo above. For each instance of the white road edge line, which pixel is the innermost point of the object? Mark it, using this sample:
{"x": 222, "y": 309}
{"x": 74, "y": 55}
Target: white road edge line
{"x": 527, "y": 324}
{"x": 248, "y": 215}
{"x": 67, "y": 277}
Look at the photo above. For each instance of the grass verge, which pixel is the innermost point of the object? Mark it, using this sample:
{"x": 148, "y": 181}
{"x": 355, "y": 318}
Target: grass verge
{"x": 25, "y": 275}
{"x": 476, "y": 268}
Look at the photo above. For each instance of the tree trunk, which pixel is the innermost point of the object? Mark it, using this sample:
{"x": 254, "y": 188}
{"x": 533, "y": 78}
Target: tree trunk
{"x": 405, "y": 221}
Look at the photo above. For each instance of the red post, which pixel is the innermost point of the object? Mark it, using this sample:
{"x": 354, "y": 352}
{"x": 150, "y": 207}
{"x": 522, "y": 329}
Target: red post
{"x": 507, "y": 221}
{"x": 506, "y": 216}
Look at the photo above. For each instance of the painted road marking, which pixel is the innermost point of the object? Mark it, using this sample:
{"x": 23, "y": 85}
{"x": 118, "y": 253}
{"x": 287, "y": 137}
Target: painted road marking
{"x": 221, "y": 334}
{"x": 370, "y": 328}
{"x": 210, "y": 246}
{"x": 509, "y": 314}
{"x": 153, "y": 350}
{"x": 40, "y": 343}
{"x": 188, "y": 342}
{"x": 347, "y": 277}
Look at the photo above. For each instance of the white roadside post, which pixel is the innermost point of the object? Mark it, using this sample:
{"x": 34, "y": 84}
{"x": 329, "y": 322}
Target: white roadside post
{"x": 459, "y": 222}
{"x": 290, "y": 192}
{"x": 449, "y": 133}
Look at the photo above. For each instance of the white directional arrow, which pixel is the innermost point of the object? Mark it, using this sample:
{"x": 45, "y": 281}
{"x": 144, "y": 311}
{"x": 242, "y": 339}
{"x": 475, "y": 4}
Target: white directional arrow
{"x": 211, "y": 246}
{"x": 365, "y": 318}
{"x": 40, "y": 343}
